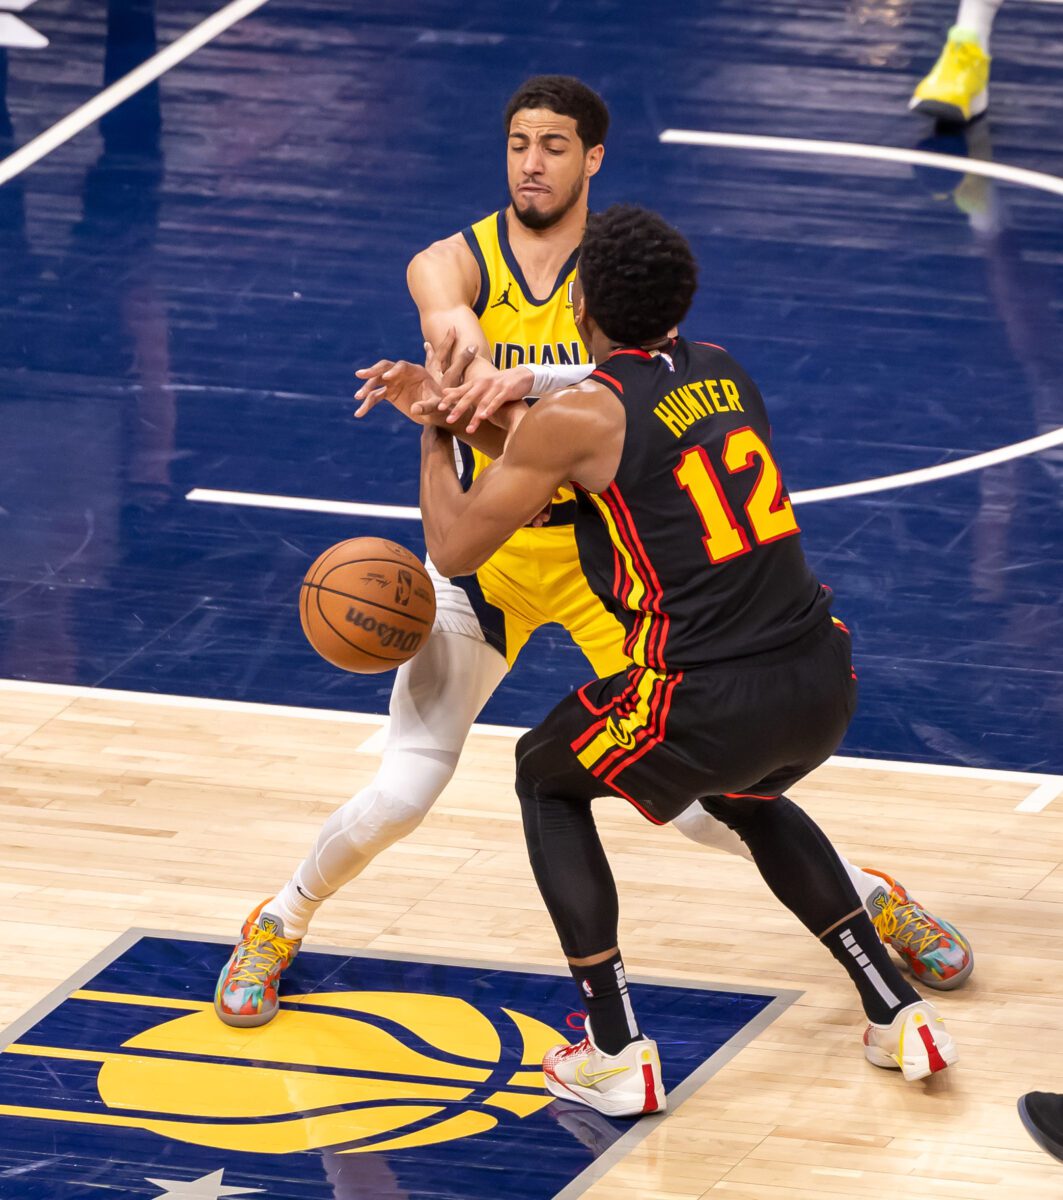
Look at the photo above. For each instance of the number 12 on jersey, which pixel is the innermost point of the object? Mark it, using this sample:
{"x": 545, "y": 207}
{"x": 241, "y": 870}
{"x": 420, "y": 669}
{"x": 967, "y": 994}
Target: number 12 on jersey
{"x": 769, "y": 514}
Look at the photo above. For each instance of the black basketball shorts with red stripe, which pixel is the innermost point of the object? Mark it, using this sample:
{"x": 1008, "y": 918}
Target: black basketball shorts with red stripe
{"x": 663, "y": 739}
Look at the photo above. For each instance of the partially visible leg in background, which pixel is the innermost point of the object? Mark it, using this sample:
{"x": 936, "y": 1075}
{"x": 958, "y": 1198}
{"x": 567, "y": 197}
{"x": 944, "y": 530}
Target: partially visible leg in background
{"x": 957, "y": 87}
{"x": 936, "y": 953}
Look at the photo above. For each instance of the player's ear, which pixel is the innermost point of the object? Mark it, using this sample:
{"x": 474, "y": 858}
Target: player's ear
{"x": 593, "y": 161}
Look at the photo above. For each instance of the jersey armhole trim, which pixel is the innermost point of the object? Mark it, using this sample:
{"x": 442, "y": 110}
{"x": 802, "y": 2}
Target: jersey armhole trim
{"x": 479, "y": 306}
{"x": 614, "y": 385}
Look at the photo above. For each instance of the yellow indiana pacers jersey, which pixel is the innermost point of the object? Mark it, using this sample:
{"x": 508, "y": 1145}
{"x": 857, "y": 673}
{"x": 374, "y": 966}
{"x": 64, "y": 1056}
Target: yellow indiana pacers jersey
{"x": 519, "y": 328}
{"x": 535, "y": 578}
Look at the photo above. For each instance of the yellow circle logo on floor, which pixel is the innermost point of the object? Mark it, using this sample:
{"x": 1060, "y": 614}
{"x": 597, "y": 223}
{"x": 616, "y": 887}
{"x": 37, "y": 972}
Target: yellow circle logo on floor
{"x": 291, "y": 1090}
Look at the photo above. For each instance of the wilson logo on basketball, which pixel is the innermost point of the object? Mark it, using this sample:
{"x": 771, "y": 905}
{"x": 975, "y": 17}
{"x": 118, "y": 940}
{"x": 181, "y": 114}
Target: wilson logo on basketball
{"x": 388, "y": 635}
{"x": 366, "y": 604}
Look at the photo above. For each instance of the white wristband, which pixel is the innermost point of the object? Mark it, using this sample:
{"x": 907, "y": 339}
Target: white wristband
{"x": 547, "y": 378}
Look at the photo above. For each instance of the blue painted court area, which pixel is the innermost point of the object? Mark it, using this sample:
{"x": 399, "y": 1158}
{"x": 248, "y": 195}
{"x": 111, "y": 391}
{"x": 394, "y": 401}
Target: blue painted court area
{"x": 187, "y": 287}
{"x": 381, "y": 1079}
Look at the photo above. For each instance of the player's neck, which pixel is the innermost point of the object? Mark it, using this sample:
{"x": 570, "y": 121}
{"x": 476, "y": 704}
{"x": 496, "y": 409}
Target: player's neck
{"x": 543, "y": 252}
{"x": 602, "y": 346}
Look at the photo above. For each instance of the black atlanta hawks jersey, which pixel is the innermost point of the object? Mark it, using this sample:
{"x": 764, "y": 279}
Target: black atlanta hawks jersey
{"x": 694, "y": 546}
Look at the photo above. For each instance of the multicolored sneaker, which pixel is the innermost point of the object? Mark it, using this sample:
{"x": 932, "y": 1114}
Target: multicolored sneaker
{"x": 247, "y": 991}
{"x": 935, "y": 952}
{"x": 916, "y": 1043}
{"x": 957, "y": 88}
{"x": 627, "y": 1084}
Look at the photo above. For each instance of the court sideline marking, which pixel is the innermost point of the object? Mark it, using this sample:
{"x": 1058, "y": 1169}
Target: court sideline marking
{"x": 148, "y": 71}
{"x": 920, "y": 158}
{"x": 1046, "y": 787}
{"x": 860, "y": 487}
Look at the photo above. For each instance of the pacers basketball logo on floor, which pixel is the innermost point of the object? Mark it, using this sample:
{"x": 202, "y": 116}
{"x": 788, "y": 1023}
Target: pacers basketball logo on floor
{"x": 416, "y": 1068}
{"x": 322, "y": 1076}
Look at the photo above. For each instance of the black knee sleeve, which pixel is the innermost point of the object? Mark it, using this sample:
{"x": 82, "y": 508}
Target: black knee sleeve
{"x": 570, "y": 868}
{"x": 793, "y": 855}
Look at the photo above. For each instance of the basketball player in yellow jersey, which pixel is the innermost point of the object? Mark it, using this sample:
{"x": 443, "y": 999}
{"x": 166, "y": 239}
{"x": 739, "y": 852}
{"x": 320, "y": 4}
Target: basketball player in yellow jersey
{"x": 504, "y": 285}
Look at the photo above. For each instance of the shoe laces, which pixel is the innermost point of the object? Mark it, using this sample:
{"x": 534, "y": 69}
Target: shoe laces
{"x": 576, "y": 1048}
{"x": 907, "y": 922}
{"x": 964, "y": 55}
{"x": 260, "y": 955}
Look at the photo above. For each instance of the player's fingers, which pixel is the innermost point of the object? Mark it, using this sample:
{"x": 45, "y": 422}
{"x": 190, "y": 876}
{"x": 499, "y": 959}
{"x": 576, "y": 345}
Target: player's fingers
{"x": 376, "y": 369}
{"x": 455, "y": 373}
{"x": 368, "y": 404}
{"x": 399, "y": 370}
{"x": 461, "y": 399}
{"x": 446, "y": 349}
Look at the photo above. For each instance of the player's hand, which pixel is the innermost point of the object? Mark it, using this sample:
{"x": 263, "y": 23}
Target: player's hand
{"x": 541, "y": 517}
{"x": 484, "y": 397}
{"x": 447, "y": 367}
{"x": 403, "y": 384}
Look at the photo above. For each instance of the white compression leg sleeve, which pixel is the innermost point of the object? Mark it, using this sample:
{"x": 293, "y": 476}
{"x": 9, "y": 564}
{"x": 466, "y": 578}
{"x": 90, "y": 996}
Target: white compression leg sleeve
{"x": 695, "y": 823}
{"x": 977, "y": 16}
{"x": 436, "y": 697}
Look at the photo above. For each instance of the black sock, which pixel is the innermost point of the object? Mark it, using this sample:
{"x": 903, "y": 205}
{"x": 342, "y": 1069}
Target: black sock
{"x": 804, "y": 871}
{"x": 856, "y": 945}
{"x": 604, "y": 991}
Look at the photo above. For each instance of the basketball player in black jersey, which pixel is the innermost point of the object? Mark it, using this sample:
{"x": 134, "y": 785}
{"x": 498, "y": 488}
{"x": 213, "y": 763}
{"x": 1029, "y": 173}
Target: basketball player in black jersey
{"x": 742, "y": 681}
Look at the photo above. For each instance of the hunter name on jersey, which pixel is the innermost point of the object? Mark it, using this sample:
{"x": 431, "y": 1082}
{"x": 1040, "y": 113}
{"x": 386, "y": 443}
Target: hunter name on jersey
{"x": 693, "y": 401}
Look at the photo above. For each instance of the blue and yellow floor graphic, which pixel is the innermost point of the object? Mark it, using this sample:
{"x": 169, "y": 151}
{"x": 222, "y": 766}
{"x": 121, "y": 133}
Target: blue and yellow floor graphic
{"x": 383, "y": 1078}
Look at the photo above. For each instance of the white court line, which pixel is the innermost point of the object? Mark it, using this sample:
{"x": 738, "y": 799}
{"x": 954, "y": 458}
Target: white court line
{"x": 148, "y": 71}
{"x": 960, "y": 466}
{"x": 1042, "y": 796}
{"x": 348, "y": 508}
{"x": 925, "y": 158}
{"x": 860, "y": 487}
{"x": 1043, "y": 784}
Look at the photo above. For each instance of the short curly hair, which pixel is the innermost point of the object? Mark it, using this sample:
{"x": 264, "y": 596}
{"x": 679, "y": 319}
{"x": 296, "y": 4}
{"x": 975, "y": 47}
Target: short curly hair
{"x": 568, "y": 97}
{"x": 638, "y": 274}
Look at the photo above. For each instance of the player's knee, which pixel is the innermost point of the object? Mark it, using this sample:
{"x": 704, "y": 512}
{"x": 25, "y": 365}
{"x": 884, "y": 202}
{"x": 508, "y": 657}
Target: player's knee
{"x": 737, "y": 813}
{"x": 399, "y": 798}
{"x": 527, "y": 773}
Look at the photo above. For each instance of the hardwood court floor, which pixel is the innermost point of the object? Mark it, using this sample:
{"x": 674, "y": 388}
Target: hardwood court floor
{"x": 119, "y": 814}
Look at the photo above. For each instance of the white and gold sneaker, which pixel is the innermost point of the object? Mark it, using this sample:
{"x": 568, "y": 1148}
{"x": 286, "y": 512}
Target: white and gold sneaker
{"x": 627, "y": 1084}
{"x": 916, "y": 1043}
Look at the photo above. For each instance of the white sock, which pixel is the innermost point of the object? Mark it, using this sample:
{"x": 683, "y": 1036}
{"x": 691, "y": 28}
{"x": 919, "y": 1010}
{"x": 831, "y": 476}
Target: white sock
{"x": 295, "y": 907}
{"x": 866, "y": 885}
{"x": 976, "y": 16}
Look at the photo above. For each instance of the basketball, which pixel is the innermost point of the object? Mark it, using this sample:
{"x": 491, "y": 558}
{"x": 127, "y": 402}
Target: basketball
{"x": 367, "y": 605}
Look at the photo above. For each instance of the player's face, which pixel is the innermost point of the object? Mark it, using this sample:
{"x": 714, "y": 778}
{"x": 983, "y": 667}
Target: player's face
{"x": 547, "y": 166}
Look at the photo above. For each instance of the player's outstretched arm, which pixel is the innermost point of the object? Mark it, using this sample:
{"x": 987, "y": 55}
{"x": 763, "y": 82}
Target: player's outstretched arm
{"x": 576, "y": 435}
{"x": 404, "y": 385}
{"x": 483, "y": 397}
